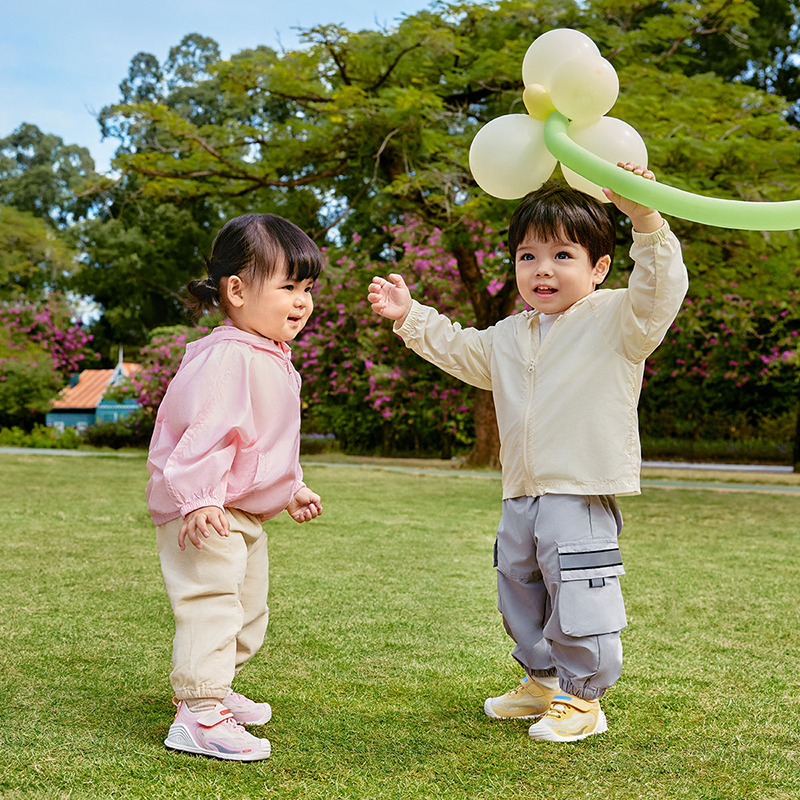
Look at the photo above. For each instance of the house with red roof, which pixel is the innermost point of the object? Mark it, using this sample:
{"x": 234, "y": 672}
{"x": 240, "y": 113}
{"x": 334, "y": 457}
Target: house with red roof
{"x": 82, "y": 403}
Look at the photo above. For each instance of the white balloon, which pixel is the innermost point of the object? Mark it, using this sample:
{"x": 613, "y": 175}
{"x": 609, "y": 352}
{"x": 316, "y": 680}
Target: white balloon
{"x": 584, "y": 88}
{"x": 612, "y": 140}
{"x": 508, "y": 156}
{"x": 550, "y": 50}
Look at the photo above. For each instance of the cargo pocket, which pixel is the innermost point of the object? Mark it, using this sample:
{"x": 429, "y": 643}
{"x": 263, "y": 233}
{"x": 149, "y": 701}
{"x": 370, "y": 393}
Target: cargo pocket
{"x": 589, "y": 597}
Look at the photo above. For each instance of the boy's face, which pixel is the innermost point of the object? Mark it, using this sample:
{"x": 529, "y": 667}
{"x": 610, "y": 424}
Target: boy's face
{"x": 552, "y": 276}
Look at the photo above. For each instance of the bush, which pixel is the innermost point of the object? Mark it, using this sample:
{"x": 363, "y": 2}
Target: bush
{"x": 312, "y": 444}
{"x": 40, "y": 437}
{"x": 721, "y": 451}
{"x": 133, "y": 431}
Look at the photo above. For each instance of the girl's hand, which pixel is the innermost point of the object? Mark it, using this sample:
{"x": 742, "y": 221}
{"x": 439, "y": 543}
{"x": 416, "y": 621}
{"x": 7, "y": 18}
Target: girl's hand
{"x": 305, "y": 505}
{"x": 390, "y": 299}
{"x": 644, "y": 219}
{"x": 199, "y": 521}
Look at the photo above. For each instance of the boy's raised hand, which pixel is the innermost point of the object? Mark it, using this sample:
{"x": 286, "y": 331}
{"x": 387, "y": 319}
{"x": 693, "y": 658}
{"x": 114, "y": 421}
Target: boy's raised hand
{"x": 644, "y": 219}
{"x": 390, "y": 298}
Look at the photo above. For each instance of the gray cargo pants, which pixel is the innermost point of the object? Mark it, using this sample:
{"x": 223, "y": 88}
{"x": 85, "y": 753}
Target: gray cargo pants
{"x": 558, "y": 589}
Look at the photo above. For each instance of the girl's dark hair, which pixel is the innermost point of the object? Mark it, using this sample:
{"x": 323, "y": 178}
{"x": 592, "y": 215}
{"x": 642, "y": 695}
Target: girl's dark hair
{"x": 255, "y": 246}
{"x": 558, "y": 213}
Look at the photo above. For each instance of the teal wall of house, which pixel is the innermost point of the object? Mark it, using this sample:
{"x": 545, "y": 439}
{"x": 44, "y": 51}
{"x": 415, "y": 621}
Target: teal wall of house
{"x": 69, "y": 419}
{"x": 109, "y": 411}
{"x": 106, "y": 411}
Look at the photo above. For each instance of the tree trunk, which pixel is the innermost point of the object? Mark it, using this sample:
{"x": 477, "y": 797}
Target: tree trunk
{"x": 486, "y": 452}
{"x": 796, "y": 447}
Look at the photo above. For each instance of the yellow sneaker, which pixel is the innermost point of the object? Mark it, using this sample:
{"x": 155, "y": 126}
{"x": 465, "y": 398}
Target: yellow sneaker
{"x": 529, "y": 700}
{"x": 569, "y": 719}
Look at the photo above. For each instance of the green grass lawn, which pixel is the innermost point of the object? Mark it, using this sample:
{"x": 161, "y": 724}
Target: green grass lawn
{"x": 383, "y": 643}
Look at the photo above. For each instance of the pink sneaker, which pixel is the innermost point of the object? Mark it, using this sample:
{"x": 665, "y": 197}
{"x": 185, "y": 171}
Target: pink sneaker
{"x": 216, "y": 734}
{"x": 246, "y": 711}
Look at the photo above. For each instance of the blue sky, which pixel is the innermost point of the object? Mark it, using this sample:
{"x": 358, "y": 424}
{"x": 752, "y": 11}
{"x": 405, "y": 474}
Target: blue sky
{"x": 61, "y": 62}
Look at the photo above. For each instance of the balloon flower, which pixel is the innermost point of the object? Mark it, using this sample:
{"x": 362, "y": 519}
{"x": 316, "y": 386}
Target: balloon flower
{"x": 569, "y": 90}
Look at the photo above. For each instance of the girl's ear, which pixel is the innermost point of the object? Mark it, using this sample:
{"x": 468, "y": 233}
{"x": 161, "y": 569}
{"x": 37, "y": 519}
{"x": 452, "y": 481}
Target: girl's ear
{"x": 600, "y": 269}
{"x": 232, "y": 290}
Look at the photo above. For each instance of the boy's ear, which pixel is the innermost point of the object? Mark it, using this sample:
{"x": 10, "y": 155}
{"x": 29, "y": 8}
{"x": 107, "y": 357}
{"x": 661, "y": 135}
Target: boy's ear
{"x": 232, "y": 291}
{"x": 600, "y": 269}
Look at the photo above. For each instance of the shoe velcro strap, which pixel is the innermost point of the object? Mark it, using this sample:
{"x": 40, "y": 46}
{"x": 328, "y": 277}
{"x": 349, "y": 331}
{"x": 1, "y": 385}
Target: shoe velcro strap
{"x": 576, "y": 702}
{"x": 212, "y": 718}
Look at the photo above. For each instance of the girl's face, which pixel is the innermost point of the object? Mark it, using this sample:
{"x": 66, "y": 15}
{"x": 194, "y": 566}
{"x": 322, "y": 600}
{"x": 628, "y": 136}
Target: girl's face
{"x": 277, "y": 310}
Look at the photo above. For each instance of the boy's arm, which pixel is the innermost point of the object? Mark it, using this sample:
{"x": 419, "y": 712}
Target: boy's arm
{"x": 658, "y": 283}
{"x": 461, "y": 352}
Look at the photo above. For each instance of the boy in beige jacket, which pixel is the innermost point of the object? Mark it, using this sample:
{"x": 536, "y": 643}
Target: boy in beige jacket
{"x": 565, "y": 378}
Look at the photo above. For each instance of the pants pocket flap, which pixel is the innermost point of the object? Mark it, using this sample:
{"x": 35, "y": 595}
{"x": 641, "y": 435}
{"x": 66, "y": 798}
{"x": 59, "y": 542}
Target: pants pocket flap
{"x": 580, "y": 561}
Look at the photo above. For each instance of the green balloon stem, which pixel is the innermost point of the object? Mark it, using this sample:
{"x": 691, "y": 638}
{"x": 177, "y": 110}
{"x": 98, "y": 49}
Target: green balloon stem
{"x": 740, "y": 214}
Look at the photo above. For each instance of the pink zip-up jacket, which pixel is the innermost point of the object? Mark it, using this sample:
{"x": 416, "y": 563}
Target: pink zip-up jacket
{"x": 227, "y": 432}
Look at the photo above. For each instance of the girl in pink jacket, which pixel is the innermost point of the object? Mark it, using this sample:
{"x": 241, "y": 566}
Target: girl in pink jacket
{"x": 225, "y": 457}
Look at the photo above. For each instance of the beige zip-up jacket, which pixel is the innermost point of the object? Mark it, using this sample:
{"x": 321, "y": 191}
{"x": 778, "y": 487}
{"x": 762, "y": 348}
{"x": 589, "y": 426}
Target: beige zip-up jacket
{"x": 567, "y": 410}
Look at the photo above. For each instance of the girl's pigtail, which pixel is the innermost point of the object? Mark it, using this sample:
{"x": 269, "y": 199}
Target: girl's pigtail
{"x": 204, "y": 296}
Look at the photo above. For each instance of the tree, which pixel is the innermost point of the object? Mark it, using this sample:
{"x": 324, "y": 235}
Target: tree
{"x": 357, "y": 130}
{"x": 33, "y": 258}
{"x": 45, "y": 177}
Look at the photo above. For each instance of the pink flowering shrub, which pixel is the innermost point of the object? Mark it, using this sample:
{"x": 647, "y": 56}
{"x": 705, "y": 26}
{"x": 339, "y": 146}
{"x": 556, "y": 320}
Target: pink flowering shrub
{"x": 360, "y": 381}
{"x": 40, "y": 346}
{"x": 728, "y": 368}
{"x": 30, "y": 328}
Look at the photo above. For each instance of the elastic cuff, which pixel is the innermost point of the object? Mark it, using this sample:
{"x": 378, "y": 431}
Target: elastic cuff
{"x": 193, "y": 505}
{"x": 209, "y": 692}
{"x": 655, "y": 237}
{"x": 585, "y": 693}
{"x": 542, "y": 673}
{"x": 410, "y": 321}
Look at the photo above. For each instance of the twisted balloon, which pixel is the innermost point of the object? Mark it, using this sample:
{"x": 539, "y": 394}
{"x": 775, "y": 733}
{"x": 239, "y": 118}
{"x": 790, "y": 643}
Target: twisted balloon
{"x": 569, "y": 88}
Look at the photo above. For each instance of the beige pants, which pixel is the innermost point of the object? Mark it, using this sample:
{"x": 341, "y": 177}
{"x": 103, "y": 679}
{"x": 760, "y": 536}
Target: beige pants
{"x": 218, "y": 595}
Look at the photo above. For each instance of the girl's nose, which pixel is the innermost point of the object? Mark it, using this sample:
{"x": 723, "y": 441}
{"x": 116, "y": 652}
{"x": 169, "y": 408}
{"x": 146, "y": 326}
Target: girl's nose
{"x": 543, "y": 268}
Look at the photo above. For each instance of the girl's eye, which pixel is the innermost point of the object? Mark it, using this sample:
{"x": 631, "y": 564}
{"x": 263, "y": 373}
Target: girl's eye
{"x": 309, "y": 289}
{"x": 526, "y": 257}
{"x": 563, "y": 254}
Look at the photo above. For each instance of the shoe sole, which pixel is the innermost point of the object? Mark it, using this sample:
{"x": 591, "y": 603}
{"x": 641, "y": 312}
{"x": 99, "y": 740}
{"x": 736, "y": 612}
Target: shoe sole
{"x": 179, "y": 738}
{"x": 546, "y": 734}
{"x": 490, "y": 712}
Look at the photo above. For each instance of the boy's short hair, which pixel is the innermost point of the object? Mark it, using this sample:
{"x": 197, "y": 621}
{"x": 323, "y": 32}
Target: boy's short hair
{"x": 560, "y": 213}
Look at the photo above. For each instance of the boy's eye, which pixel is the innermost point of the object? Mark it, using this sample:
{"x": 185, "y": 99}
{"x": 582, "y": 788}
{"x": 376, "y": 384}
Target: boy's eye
{"x": 526, "y": 257}
{"x": 563, "y": 254}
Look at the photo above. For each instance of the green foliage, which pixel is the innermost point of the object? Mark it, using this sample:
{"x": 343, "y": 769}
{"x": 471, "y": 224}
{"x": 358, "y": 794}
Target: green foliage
{"x": 134, "y": 430}
{"x": 26, "y": 392}
{"x": 139, "y": 257}
{"x": 354, "y": 131}
{"x": 33, "y": 257}
{"x": 43, "y": 176}
{"x": 728, "y": 369}
{"x": 41, "y": 436}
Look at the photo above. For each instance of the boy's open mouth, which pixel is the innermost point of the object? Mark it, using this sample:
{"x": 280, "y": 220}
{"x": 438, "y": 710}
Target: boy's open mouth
{"x": 545, "y": 291}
